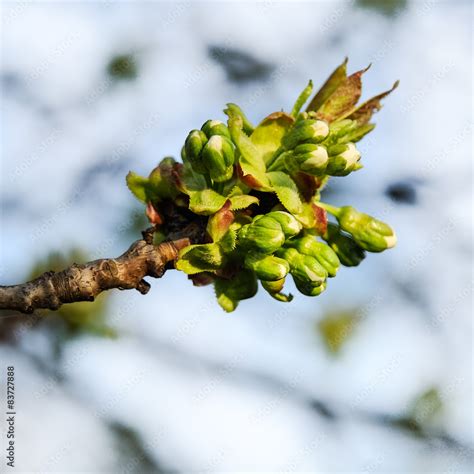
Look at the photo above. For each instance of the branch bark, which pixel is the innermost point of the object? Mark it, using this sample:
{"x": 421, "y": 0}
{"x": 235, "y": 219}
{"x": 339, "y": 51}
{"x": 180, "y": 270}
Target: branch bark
{"x": 85, "y": 281}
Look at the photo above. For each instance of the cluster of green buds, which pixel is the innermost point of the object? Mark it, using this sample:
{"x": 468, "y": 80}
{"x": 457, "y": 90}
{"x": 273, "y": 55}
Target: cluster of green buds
{"x": 210, "y": 150}
{"x": 255, "y": 193}
{"x": 315, "y": 148}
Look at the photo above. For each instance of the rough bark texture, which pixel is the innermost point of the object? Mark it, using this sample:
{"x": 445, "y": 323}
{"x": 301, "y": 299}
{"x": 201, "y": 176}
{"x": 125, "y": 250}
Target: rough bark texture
{"x": 85, "y": 281}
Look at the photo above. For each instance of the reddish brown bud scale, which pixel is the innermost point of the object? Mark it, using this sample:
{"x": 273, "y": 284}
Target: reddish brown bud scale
{"x": 321, "y": 219}
{"x": 153, "y": 215}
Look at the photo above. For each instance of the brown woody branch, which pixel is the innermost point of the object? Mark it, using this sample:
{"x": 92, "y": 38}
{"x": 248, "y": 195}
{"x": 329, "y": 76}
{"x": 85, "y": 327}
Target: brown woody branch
{"x": 85, "y": 281}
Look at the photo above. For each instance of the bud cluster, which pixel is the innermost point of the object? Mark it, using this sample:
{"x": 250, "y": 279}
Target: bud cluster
{"x": 210, "y": 150}
{"x": 315, "y": 148}
{"x": 255, "y": 195}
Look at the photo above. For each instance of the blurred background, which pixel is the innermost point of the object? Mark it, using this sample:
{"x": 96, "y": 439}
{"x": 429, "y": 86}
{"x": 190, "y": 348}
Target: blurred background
{"x": 375, "y": 375}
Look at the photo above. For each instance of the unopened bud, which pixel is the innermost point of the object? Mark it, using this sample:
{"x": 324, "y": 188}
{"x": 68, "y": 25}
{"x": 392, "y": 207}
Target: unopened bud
{"x": 308, "y": 245}
{"x": 215, "y": 127}
{"x": 218, "y": 158}
{"x": 265, "y": 235}
{"x": 306, "y": 288}
{"x": 309, "y": 158}
{"x": 349, "y": 252}
{"x": 193, "y": 147}
{"x": 230, "y": 291}
{"x": 306, "y": 131}
{"x": 303, "y": 267}
{"x": 343, "y": 159}
{"x": 274, "y": 288}
{"x": 370, "y": 233}
{"x": 289, "y": 224}
{"x": 267, "y": 267}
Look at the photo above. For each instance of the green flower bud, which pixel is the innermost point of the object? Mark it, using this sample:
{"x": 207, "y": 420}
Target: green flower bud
{"x": 289, "y": 224}
{"x": 306, "y": 131}
{"x": 215, "y": 127}
{"x": 309, "y": 158}
{"x": 267, "y": 267}
{"x": 308, "y": 289}
{"x": 218, "y": 158}
{"x": 349, "y": 252}
{"x": 264, "y": 234}
{"x": 343, "y": 159}
{"x": 193, "y": 146}
{"x": 303, "y": 267}
{"x": 370, "y": 233}
{"x": 229, "y": 292}
{"x": 274, "y": 288}
{"x": 308, "y": 245}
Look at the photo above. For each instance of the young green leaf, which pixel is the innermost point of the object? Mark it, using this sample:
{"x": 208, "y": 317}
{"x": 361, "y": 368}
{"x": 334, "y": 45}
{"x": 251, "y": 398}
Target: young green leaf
{"x": 250, "y": 160}
{"x": 286, "y": 190}
{"x": 269, "y": 133}
{"x": 205, "y": 202}
{"x": 242, "y": 201}
{"x": 200, "y": 258}
{"x": 138, "y": 185}
{"x": 302, "y": 98}
{"x": 234, "y": 109}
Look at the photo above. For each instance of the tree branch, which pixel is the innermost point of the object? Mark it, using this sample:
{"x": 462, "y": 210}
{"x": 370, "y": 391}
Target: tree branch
{"x": 85, "y": 281}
